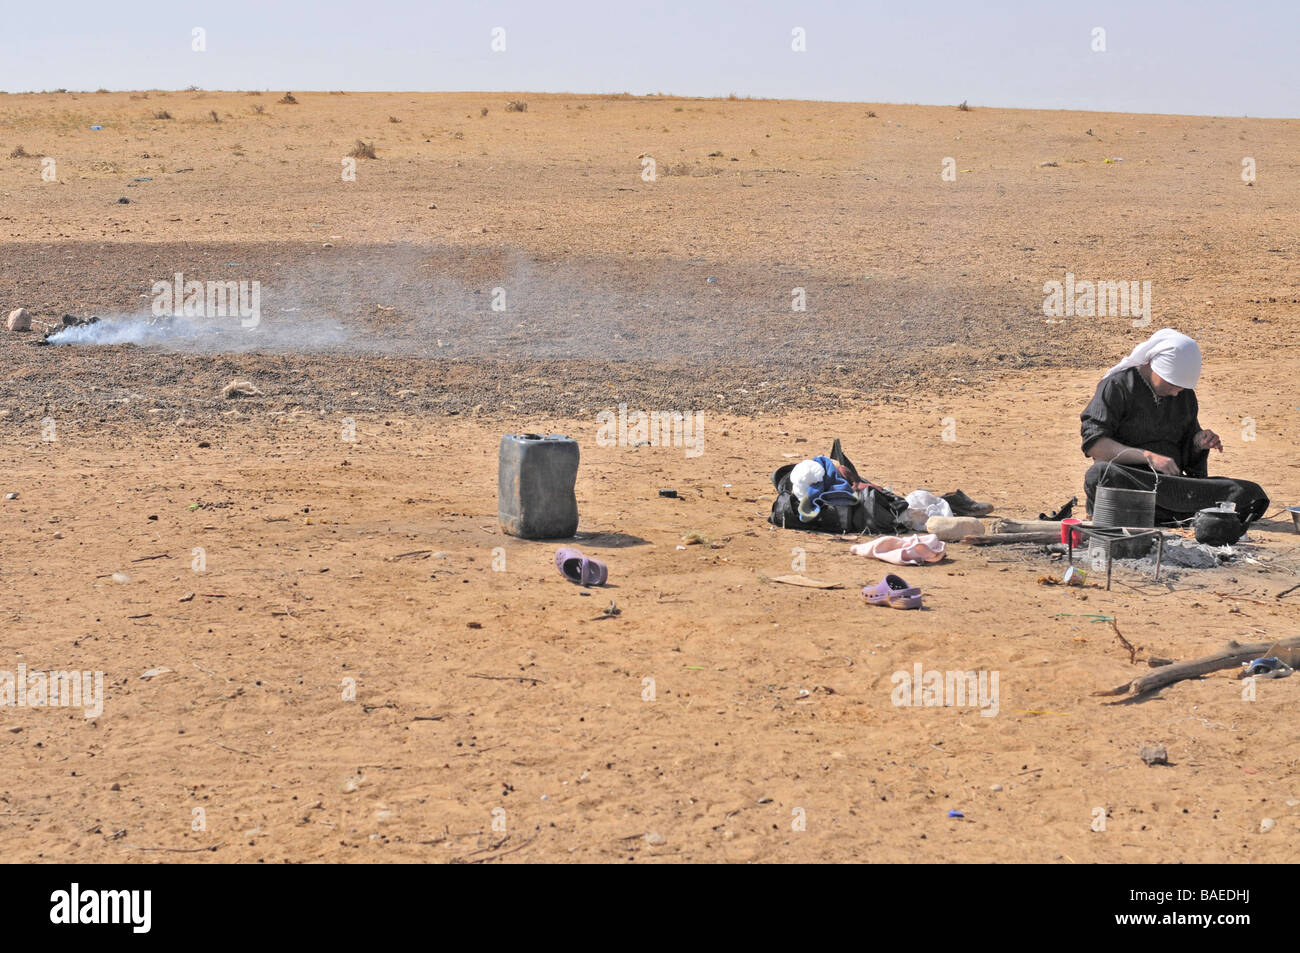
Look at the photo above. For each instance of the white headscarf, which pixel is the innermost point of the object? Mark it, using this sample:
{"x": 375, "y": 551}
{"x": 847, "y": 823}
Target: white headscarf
{"x": 1172, "y": 355}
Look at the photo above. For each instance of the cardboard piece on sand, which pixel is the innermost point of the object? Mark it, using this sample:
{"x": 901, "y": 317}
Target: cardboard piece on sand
{"x": 806, "y": 582}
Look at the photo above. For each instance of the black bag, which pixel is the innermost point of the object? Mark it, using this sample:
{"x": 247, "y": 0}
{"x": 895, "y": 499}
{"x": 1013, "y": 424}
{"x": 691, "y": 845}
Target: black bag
{"x": 876, "y": 512}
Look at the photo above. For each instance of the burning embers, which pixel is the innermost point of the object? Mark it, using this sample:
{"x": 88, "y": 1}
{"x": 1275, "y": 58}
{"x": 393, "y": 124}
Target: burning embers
{"x": 52, "y": 335}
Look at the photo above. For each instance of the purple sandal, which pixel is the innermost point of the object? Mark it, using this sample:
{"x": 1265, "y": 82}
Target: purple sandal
{"x": 893, "y": 591}
{"x": 580, "y": 569}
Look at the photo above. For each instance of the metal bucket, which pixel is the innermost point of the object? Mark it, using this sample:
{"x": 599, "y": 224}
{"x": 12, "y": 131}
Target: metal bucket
{"x": 1117, "y": 507}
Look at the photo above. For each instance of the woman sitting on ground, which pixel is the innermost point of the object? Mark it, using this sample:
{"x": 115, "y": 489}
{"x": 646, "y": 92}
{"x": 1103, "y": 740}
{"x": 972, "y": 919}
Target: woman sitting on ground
{"x": 1141, "y": 428}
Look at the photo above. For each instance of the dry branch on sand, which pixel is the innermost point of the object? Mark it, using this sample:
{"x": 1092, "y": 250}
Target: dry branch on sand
{"x": 363, "y": 150}
{"x": 1232, "y": 656}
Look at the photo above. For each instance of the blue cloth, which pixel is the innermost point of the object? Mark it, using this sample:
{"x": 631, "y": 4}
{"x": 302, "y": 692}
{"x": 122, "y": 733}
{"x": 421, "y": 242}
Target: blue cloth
{"x": 832, "y": 490}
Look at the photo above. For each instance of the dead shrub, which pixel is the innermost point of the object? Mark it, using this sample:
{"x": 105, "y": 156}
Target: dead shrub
{"x": 162, "y": 114}
{"x": 287, "y": 100}
{"x": 215, "y": 117}
{"x": 964, "y": 107}
{"x": 259, "y": 109}
{"x": 363, "y": 150}
{"x": 516, "y": 106}
{"x": 19, "y": 153}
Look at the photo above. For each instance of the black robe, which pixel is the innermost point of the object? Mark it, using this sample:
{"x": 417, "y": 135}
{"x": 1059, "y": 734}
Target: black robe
{"x": 1127, "y": 410}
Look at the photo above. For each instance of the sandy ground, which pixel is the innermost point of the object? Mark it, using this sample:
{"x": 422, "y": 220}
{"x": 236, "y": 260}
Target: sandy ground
{"x": 376, "y": 563}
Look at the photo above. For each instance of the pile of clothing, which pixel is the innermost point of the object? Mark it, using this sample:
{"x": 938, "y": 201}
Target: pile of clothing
{"x": 827, "y": 494}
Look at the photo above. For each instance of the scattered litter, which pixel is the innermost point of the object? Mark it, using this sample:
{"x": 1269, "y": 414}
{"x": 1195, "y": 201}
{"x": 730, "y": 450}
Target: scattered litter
{"x": 121, "y": 578}
{"x": 1266, "y": 825}
{"x": 97, "y": 128}
{"x": 655, "y": 839}
{"x": 608, "y": 612}
{"x": 668, "y": 494}
{"x": 1270, "y": 667}
{"x": 11, "y": 496}
{"x": 155, "y": 672}
{"x": 796, "y": 580}
{"x": 922, "y": 504}
{"x": 694, "y": 538}
{"x": 956, "y": 814}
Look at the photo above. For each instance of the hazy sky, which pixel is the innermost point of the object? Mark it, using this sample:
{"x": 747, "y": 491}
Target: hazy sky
{"x": 1175, "y": 56}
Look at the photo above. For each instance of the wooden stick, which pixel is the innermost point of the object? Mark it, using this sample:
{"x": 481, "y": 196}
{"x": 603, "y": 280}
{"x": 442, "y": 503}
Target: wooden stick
{"x": 996, "y": 539}
{"x": 1027, "y": 526}
{"x": 1132, "y": 652}
{"x": 1233, "y": 655}
{"x": 1285, "y": 591}
{"x": 508, "y": 678}
{"x": 175, "y": 850}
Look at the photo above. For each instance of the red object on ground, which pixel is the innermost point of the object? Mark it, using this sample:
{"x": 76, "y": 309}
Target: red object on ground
{"x": 1067, "y": 530}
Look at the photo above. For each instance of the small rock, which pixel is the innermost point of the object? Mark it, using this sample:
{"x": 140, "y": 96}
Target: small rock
{"x": 1266, "y": 825}
{"x": 19, "y": 320}
{"x": 1154, "y": 754}
{"x": 121, "y": 578}
{"x": 15, "y": 729}
{"x": 188, "y": 597}
{"x": 116, "y": 787}
{"x": 655, "y": 840}
{"x": 996, "y": 787}
{"x": 240, "y": 389}
{"x": 765, "y": 800}
{"x": 155, "y": 672}
{"x": 11, "y": 496}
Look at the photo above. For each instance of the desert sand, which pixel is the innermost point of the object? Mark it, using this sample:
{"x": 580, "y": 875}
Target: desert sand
{"x": 357, "y": 665}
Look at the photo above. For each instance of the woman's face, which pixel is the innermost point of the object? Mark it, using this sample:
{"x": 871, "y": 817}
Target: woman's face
{"x": 1163, "y": 387}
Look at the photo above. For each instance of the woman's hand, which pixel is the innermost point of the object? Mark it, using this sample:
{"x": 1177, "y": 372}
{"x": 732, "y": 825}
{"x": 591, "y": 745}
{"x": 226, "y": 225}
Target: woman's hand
{"x": 1161, "y": 464}
{"x": 1207, "y": 440}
